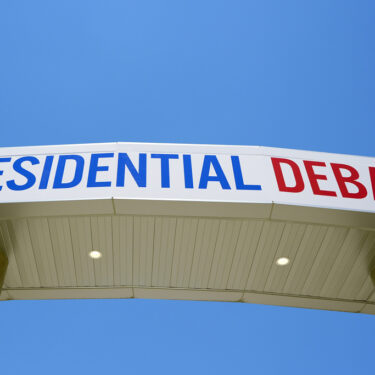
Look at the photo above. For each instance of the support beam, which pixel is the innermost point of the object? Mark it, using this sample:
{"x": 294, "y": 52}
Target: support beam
{"x": 3, "y": 267}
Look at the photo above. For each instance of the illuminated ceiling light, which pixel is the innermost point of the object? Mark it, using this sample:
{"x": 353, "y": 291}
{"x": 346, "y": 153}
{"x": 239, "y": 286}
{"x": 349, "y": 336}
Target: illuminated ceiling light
{"x": 95, "y": 254}
{"x": 283, "y": 261}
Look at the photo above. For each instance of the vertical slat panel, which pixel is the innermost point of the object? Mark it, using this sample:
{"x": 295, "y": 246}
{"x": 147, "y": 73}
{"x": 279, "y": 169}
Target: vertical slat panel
{"x": 143, "y": 250}
{"x": 265, "y": 255}
{"x": 206, "y": 237}
{"x": 62, "y": 250}
{"x": 123, "y": 250}
{"x": 183, "y": 252}
{"x": 43, "y": 252}
{"x": 20, "y": 237}
{"x": 101, "y": 233}
{"x": 224, "y": 253}
{"x": 302, "y": 263}
{"x": 165, "y": 229}
{"x": 288, "y": 247}
{"x": 324, "y": 260}
{"x": 12, "y": 277}
{"x": 354, "y": 285}
{"x": 247, "y": 243}
{"x": 344, "y": 262}
{"x": 80, "y": 229}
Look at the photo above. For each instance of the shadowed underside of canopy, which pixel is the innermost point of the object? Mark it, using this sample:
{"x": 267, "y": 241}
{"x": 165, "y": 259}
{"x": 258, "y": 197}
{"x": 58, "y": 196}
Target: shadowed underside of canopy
{"x": 190, "y": 222}
{"x": 210, "y": 257}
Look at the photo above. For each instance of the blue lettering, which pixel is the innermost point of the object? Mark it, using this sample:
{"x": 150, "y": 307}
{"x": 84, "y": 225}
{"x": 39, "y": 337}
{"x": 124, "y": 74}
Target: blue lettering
{"x": 17, "y": 166}
{"x": 188, "y": 172}
{"x": 46, "y": 172}
{"x": 3, "y": 160}
{"x": 94, "y": 169}
{"x": 139, "y": 176}
{"x": 164, "y": 165}
{"x": 239, "y": 178}
{"x": 205, "y": 175}
{"x": 58, "y": 184}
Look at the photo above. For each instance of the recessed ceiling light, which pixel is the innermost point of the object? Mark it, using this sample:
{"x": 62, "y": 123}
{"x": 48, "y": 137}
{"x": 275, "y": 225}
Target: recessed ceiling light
{"x": 283, "y": 261}
{"x": 95, "y": 254}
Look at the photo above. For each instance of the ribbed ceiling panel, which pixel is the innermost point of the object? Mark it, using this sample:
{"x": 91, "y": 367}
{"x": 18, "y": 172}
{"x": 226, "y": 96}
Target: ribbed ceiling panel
{"x": 19, "y": 234}
{"x": 63, "y": 251}
{"x": 42, "y": 249}
{"x": 123, "y": 238}
{"x": 186, "y": 233}
{"x": 143, "y": 250}
{"x": 13, "y": 278}
{"x": 265, "y": 255}
{"x": 164, "y": 242}
{"x": 246, "y": 247}
{"x": 191, "y": 253}
{"x": 80, "y": 228}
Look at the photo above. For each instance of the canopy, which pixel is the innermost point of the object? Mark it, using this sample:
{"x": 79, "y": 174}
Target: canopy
{"x": 196, "y": 222}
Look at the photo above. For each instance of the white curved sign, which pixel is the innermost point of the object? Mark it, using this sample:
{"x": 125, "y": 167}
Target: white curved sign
{"x": 187, "y": 172}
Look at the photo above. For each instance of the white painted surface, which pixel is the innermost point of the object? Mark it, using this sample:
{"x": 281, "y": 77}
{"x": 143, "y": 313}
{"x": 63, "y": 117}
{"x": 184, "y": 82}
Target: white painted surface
{"x": 201, "y": 244}
{"x": 255, "y": 164}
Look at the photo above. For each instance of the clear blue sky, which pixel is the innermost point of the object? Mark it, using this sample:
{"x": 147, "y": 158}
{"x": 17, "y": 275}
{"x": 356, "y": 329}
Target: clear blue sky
{"x": 297, "y": 74}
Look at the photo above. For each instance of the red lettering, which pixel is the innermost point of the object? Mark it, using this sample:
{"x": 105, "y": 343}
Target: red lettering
{"x": 299, "y": 186}
{"x": 372, "y": 178}
{"x": 313, "y": 177}
{"x": 352, "y": 179}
